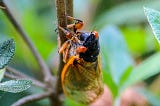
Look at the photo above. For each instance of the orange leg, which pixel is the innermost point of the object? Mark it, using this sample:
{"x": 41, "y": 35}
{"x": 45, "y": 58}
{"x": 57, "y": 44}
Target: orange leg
{"x": 67, "y": 65}
{"x": 66, "y": 54}
{"x": 65, "y": 50}
{"x": 66, "y": 32}
{"x": 64, "y": 46}
{"x": 77, "y": 25}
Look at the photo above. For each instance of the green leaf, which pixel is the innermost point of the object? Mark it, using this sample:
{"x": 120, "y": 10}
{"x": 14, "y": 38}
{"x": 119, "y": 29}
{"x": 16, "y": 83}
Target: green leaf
{"x": 153, "y": 17}
{"x": 152, "y": 99}
{"x": 125, "y": 75}
{"x": 125, "y": 13}
{"x": 110, "y": 83}
{"x": 7, "y": 49}
{"x": 146, "y": 69}
{"x": 70, "y": 102}
{"x": 15, "y": 86}
{"x": 2, "y": 71}
{"x": 114, "y": 51}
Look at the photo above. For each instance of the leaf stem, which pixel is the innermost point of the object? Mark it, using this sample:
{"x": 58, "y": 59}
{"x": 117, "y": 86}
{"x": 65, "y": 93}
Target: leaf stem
{"x": 18, "y": 75}
{"x": 31, "y": 98}
{"x": 61, "y": 16}
{"x": 69, "y": 9}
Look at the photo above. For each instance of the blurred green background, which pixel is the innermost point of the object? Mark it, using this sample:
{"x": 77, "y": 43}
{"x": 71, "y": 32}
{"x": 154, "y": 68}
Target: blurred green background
{"x": 130, "y": 39}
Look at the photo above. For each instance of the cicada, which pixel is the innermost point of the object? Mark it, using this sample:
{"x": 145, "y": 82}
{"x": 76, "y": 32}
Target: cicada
{"x": 81, "y": 76}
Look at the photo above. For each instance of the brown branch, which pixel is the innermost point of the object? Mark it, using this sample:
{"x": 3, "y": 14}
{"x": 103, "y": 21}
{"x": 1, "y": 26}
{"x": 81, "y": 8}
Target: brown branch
{"x": 61, "y": 16}
{"x": 43, "y": 66}
{"x": 31, "y": 98}
{"x": 69, "y": 9}
{"x": 19, "y": 75}
{"x": 34, "y": 82}
{"x": 1, "y": 7}
{"x": 7, "y": 75}
{"x": 63, "y": 8}
{"x": 16, "y": 72}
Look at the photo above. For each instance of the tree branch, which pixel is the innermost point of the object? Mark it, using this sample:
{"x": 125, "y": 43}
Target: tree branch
{"x": 31, "y": 98}
{"x": 69, "y": 9}
{"x": 19, "y": 75}
{"x": 1, "y": 7}
{"x": 7, "y": 75}
{"x": 61, "y": 16}
{"x": 16, "y": 72}
{"x": 43, "y": 66}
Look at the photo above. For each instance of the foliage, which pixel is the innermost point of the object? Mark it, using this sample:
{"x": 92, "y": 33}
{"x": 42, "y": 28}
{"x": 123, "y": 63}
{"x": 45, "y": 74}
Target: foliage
{"x": 121, "y": 58}
{"x": 15, "y": 86}
{"x": 2, "y": 71}
{"x": 153, "y": 17}
{"x": 7, "y": 49}
{"x": 115, "y": 51}
{"x": 118, "y": 51}
{"x": 154, "y": 101}
{"x": 146, "y": 69}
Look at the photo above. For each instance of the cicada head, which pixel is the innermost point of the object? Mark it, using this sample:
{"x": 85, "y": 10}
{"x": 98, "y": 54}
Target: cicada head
{"x": 91, "y": 42}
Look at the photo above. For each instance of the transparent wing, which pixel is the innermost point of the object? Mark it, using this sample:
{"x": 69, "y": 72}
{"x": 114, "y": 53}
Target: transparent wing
{"x": 83, "y": 82}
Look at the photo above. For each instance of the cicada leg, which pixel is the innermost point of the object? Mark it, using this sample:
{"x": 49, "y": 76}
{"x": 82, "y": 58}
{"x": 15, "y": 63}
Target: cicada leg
{"x": 66, "y": 45}
{"x": 66, "y": 32}
{"x": 67, "y": 65}
{"x": 77, "y": 25}
{"x": 65, "y": 50}
{"x": 66, "y": 53}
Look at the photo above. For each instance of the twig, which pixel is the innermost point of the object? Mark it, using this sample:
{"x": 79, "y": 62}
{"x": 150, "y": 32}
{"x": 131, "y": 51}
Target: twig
{"x": 16, "y": 72}
{"x": 7, "y": 75}
{"x": 19, "y": 75}
{"x": 31, "y": 98}
{"x": 61, "y": 16}
{"x": 69, "y": 9}
{"x": 43, "y": 66}
{"x": 1, "y": 7}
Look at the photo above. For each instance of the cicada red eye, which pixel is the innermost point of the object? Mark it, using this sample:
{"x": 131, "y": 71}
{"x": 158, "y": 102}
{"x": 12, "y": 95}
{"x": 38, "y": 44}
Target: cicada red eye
{"x": 95, "y": 33}
{"x": 81, "y": 76}
{"x": 81, "y": 49}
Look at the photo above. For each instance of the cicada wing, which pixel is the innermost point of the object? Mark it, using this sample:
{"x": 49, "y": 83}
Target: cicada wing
{"x": 83, "y": 82}
{"x": 93, "y": 88}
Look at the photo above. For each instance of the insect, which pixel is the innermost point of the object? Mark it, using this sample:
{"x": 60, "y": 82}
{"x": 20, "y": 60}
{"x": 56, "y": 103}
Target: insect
{"x": 81, "y": 76}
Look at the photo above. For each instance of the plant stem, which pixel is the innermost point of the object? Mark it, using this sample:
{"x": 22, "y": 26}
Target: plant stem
{"x": 31, "y": 98}
{"x": 61, "y": 16}
{"x": 1, "y": 7}
{"x": 18, "y": 75}
{"x": 63, "y": 8}
{"x": 43, "y": 66}
{"x": 14, "y": 77}
{"x": 69, "y": 9}
{"x": 7, "y": 75}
